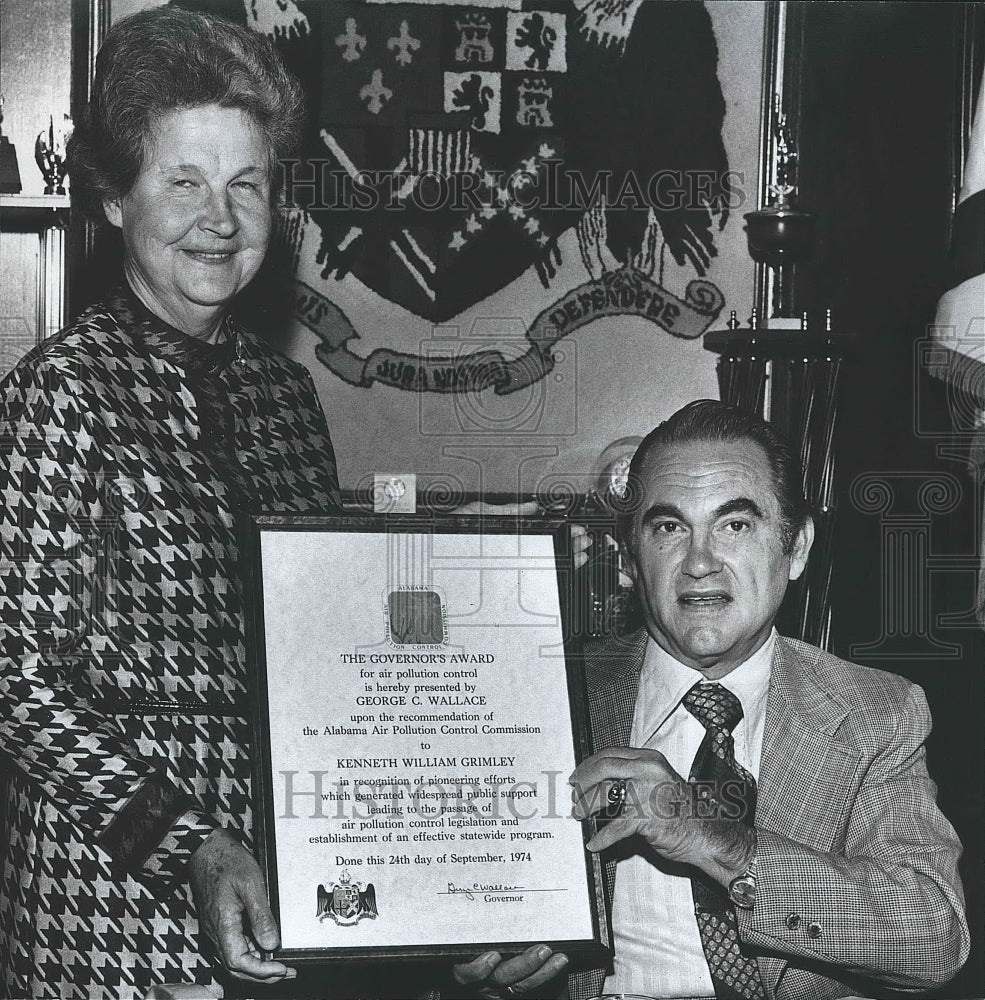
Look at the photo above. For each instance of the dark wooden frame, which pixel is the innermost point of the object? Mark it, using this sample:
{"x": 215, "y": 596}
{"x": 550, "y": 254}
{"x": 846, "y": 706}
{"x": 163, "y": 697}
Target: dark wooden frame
{"x": 597, "y": 949}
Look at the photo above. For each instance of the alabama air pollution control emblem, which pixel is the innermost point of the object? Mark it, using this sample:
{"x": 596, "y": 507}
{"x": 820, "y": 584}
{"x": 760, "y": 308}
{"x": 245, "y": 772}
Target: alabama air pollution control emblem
{"x": 346, "y": 902}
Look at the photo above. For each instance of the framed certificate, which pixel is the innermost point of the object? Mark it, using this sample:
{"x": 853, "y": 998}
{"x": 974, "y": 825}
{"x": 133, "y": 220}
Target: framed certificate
{"x": 418, "y": 710}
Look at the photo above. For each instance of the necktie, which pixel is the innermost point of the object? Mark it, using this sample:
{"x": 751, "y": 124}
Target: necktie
{"x": 735, "y": 975}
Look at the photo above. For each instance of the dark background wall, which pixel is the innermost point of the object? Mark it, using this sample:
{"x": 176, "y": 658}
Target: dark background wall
{"x": 879, "y": 86}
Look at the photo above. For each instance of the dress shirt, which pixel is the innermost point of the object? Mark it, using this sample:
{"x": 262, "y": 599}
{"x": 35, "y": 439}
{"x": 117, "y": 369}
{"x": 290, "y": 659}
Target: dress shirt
{"x": 658, "y": 949}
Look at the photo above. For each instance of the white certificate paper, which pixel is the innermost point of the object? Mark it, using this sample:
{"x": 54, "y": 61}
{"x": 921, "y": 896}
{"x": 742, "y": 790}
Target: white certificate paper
{"x": 419, "y": 740}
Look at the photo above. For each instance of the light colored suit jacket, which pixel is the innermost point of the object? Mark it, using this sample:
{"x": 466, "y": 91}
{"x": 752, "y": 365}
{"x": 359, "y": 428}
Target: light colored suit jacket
{"x": 857, "y": 883}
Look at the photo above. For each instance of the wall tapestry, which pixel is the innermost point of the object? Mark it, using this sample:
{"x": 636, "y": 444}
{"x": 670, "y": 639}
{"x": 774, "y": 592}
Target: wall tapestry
{"x": 453, "y": 144}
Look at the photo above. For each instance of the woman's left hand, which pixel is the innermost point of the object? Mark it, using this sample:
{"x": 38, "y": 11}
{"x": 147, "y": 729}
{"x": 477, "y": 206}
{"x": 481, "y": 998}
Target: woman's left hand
{"x": 581, "y": 540}
{"x": 233, "y": 911}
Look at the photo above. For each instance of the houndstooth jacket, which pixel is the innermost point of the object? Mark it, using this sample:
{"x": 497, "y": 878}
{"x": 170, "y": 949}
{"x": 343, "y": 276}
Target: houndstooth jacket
{"x": 124, "y": 738}
{"x": 857, "y": 882}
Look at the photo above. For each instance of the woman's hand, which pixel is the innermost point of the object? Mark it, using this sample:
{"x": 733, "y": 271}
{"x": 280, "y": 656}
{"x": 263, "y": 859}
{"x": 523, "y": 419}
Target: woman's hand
{"x": 491, "y": 977}
{"x": 233, "y": 911}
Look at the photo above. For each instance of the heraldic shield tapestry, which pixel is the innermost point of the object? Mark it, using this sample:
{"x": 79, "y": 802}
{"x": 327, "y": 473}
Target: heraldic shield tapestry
{"x": 482, "y": 130}
{"x": 452, "y": 145}
{"x": 508, "y": 226}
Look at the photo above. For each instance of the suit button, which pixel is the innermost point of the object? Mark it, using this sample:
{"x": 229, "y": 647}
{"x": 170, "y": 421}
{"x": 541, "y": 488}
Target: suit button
{"x": 814, "y": 930}
{"x": 792, "y": 921}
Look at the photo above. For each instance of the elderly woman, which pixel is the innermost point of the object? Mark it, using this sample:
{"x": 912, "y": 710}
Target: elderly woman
{"x": 131, "y": 437}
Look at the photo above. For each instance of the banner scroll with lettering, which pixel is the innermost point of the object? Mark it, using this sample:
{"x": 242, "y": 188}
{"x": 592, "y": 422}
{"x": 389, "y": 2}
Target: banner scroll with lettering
{"x": 622, "y": 292}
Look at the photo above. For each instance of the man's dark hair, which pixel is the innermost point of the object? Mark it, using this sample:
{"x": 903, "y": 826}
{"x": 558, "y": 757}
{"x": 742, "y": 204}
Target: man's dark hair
{"x": 712, "y": 420}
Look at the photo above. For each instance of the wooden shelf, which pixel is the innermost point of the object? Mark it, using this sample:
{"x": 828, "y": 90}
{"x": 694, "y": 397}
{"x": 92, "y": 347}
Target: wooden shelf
{"x": 27, "y": 213}
{"x": 775, "y": 343}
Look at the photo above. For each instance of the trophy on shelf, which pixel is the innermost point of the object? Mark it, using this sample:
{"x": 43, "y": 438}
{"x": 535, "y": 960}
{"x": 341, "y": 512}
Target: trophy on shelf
{"x": 10, "y": 176}
{"x": 49, "y": 152}
{"x": 781, "y": 234}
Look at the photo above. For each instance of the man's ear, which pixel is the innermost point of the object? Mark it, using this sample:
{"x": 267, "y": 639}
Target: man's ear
{"x": 114, "y": 212}
{"x": 802, "y": 543}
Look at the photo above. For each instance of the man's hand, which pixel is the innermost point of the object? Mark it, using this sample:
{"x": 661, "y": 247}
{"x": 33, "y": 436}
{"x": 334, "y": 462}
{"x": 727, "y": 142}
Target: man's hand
{"x": 581, "y": 540}
{"x": 233, "y": 910}
{"x": 663, "y": 809}
{"x": 527, "y": 509}
{"x": 490, "y": 976}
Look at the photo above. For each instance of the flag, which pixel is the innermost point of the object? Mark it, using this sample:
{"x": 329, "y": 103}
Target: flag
{"x": 959, "y": 326}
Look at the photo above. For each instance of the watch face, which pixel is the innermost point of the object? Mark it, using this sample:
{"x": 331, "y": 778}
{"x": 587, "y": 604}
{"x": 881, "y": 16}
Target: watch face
{"x": 742, "y": 891}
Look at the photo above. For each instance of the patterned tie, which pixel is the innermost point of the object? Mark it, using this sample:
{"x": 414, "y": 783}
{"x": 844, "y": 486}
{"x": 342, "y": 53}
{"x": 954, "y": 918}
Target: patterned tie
{"x": 735, "y": 975}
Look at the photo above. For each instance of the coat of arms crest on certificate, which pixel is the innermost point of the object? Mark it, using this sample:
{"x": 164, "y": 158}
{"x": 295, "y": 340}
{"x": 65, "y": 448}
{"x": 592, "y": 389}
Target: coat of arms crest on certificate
{"x": 346, "y": 902}
{"x": 415, "y": 618}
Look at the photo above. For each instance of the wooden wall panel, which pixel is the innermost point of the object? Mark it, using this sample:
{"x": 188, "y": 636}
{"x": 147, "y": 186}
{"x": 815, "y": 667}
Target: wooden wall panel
{"x": 35, "y": 80}
{"x": 35, "y": 75}
{"x": 880, "y": 89}
{"x": 18, "y": 296}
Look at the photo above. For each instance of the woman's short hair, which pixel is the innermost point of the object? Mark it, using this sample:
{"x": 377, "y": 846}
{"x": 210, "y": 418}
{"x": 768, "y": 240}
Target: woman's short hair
{"x": 157, "y": 61}
{"x": 712, "y": 420}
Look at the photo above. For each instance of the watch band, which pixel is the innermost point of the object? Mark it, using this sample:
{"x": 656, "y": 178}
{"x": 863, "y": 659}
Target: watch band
{"x": 742, "y": 889}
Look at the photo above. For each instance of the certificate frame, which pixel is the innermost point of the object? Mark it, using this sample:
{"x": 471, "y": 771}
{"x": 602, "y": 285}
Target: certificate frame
{"x": 258, "y": 531}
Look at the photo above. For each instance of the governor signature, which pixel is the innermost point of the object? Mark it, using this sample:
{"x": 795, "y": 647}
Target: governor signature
{"x": 469, "y": 891}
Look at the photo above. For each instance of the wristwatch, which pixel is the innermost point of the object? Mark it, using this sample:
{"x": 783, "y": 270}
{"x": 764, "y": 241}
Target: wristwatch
{"x": 742, "y": 889}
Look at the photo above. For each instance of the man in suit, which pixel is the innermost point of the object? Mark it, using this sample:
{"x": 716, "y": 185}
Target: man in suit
{"x": 774, "y": 832}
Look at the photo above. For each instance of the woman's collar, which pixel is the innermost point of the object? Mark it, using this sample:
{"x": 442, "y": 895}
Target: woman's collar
{"x": 168, "y": 341}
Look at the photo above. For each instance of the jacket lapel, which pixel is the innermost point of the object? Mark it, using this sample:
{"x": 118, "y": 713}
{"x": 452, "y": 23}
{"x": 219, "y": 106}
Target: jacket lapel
{"x": 613, "y": 683}
{"x": 806, "y": 773}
